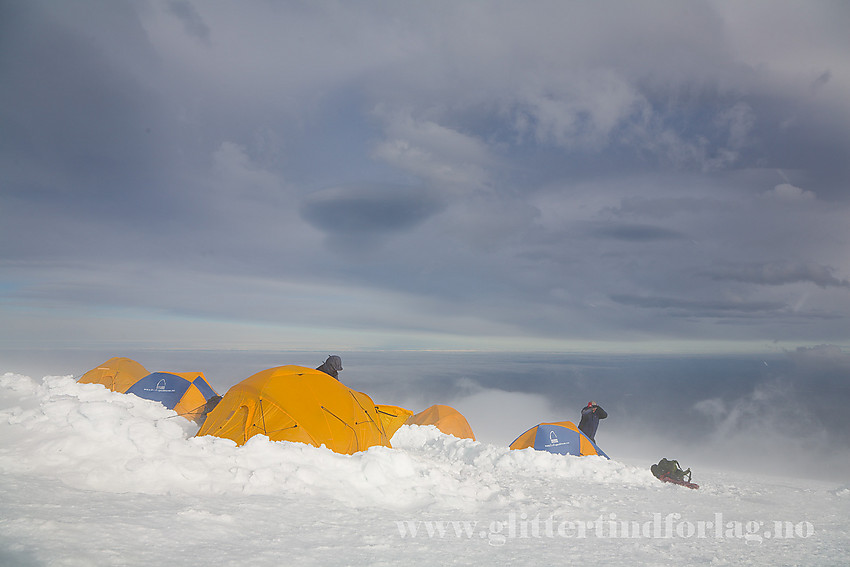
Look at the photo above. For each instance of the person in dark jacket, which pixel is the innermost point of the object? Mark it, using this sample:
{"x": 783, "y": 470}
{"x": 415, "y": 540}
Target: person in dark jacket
{"x": 332, "y": 366}
{"x": 590, "y": 416}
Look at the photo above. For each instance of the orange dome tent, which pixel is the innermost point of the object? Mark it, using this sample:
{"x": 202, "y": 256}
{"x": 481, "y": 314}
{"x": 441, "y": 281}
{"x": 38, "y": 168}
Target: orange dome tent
{"x": 296, "y": 403}
{"x": 446, "y": 418}
{"x": 117, "y": 374}
{"x": 392, "y": 417}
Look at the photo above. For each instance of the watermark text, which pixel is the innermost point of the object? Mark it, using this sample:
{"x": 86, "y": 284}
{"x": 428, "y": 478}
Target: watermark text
{"x": 609, "y": 526}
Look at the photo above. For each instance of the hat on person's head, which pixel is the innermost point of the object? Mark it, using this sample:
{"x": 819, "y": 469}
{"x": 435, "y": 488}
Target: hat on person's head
{"x": 334, "y": 362}
{"x": 590, "y": 404}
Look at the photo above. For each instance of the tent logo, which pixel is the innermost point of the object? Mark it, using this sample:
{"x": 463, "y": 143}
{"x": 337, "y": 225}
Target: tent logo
{"x": 554, "y": 441}
{"x": 160, "y": 388}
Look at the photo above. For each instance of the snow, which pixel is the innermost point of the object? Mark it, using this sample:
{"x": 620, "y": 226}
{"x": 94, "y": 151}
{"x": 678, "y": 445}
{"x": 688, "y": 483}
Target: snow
{"x": 92, "y": 477}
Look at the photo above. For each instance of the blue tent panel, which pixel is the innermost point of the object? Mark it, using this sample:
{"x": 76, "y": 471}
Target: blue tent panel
{"x": 163, "y": 387}
{"x": 204, "y": 388}
{"x": 557, "y": 439}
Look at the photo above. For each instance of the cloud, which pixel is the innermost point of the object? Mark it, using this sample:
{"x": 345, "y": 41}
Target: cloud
{"x": 499, "y": 169}
{"x": 714, "y": 408}
{"x": 234, "y": 168}
{"x": 357, "y": 216}
{"x": 702, "y": 308}
{"x": 725, "y": 132}
{"x": 87, "y": 131}
{"x": 667, "y": 207}
{"x": 432, "y": 152}
{"x": 760, "y": 429}
{"x": 579, "y": 111}
{"x": 825, "y": 359}
{"x": 821, "y": 81}
{"x": 636, "y": 232}
{"x": 781, "y": 273}
{"x": 525, "y": 411}
{"x": 192, "y": 22}
{"x": 739, "y": 121}
{"x": 789, "y": 193}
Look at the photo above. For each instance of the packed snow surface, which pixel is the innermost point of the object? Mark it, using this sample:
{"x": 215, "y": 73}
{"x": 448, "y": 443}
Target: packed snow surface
{"x": 93, "y": 477}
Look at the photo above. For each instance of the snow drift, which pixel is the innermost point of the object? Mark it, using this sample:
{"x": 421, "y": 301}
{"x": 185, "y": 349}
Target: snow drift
{"x": 93, "y": 477}
{"x": 96, "y": 439}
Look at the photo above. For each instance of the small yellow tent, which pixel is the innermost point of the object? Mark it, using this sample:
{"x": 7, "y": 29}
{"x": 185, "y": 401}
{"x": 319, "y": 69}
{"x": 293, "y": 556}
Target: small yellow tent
{"x": 295, "y": 403}
{"x": 446, "y": 418}
{"x": 392, "y": 417}
{"x": 118, "y": 374}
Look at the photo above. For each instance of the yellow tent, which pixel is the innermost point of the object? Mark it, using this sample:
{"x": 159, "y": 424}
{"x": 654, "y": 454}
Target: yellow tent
{"x": 446, "y": 418}
{"x": 118, "y": 374}
{"x": 295, "y": 403}
{"x": 392, "y": 417}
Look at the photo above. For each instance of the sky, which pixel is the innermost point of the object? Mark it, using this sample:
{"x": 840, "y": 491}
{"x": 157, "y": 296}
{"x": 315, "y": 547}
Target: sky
{"x": 559, "y": 176}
